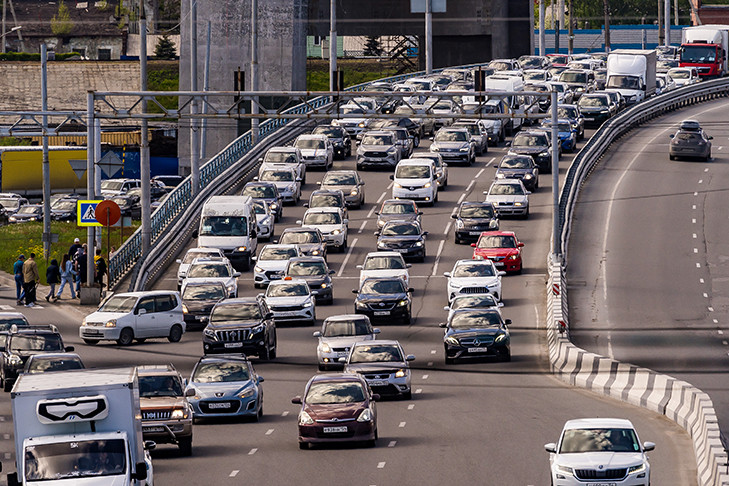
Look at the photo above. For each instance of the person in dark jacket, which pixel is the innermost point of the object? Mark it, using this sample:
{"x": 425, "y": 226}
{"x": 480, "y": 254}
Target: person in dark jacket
{"x": 53, "y": 277}
{"x": 100, "y": 268}
{"x": 18, "y": 271}
{"x": 74, "y": 248}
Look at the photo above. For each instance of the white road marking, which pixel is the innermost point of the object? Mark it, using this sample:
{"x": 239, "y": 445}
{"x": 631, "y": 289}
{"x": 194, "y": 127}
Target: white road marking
{"x": 252, "y": 451}
{"x": 381, "y": 465}
{"x": 447, "y": 228}
{"x": 389, "y": 186}
{"x": 437, "y": 258}
{"x": 695, "y": 236}
{"x": 701, "y": 280}
{"x": 716, "y": 321}
{"x": 430, "y": 363}
{"x": 490, "y": 161}
{"x": 392, "y": 443}
{"x": 460, "y": 199}
{"x": 234, "y": 473}
{"x": 706, "y": 296}
{"x": 706, "y": 169}
{"x": 433, "y": 351}
{"x": 478, "y": 174}
{"x": 696, "y": 193}
{"x": 269, "y": 432}
{"x": 701, "y": 181}
{"x": 361, "y": 227}
{"x": 382, "y": 196}
{"x": 696, "y": 250}
{"x": 470, "y": 186}
{"x": 6, "y": 436}
{"x": 693, "y": 220}
{"x": 711, "y": 309}
{"x": 698, "y": 265}
{"x": 402, "y": 425}
{"x": 425, "y": 377}
{"x": 285, "y": 413}
{"x": 694, "y": 206}
{"x": 7, "y": 455}
{"x": 418, "y": 391}
{"x": 411, "y": 406}
{"x": 720, "y": 332}
{"x": 6, "y": 307}
{"x": 346, "y": 258}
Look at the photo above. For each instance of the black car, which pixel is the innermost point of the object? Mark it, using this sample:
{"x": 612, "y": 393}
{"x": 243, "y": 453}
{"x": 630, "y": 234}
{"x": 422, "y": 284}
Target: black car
{"x": 316, "y": 273}
{"x": 596, "y": 108}
{"x": 474, "y": 333}
{"x": 397, "y": 210}
{"x": 29, "y": 212}
{"x": 520, "y": 167}
{"x": 472, "y": 218}
{"x": 198, "y": 300}
{"x": 310, "y": 241}
{"x": 64, "y": 208}
{"x": 21, "y": 343}
{"x": 242, "y": 325}
{"x": 537, "y": 144}
{"x": 415, "y": 129}
{"x": 405, "y": 237}
{"x": 384, "y": 298}
{"x": 128, "y": 205}
{"x": 339, "y": 137}
{"x": 267, "y": 192}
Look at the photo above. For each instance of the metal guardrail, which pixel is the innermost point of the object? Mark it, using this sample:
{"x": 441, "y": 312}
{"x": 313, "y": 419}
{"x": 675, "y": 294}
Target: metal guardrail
{"x": 176, "y": 204}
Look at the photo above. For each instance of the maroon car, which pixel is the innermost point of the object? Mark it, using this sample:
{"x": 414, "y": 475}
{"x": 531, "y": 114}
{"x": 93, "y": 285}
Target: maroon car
{"x": 337, "y": 407}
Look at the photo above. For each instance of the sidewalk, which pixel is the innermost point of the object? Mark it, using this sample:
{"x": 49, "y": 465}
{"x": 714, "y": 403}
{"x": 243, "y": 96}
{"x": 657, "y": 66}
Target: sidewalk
{"x": 42, "y": 291}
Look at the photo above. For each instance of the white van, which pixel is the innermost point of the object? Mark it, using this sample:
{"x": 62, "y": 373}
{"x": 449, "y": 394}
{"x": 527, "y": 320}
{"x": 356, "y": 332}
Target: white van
{"x": 510, "y": 84}
{"x": 415, "y": 179}
{"x": 229, "y": 223}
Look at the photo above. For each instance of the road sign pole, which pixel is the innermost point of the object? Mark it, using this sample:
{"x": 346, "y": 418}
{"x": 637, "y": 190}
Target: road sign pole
{"x": 429, "y": 36}
{"x": 46, "y": 163}
{"x": 90, "y": 182}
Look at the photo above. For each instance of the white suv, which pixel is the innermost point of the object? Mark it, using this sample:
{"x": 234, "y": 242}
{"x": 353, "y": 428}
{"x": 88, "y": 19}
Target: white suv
{"x": 332, "y": 224}
{"x": 384, "y": 264}
{"x": 190, "y": 256}
{"x": 415, "y": 179}
{"x": 291, "y": 300}
{"x": 474, "y": 277}
{"x": 317, "y": 150}
{"x": 271, "y": 263}
{"x": 278, "y": 157}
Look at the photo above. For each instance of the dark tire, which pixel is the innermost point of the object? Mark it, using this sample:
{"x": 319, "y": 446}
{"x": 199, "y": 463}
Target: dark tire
{"x": 371, "y": 443}
{"x": 526, "y": 215}
{"x": 265, "y": 353}
{"x": 407, "y": 395}
{"x": 272, "y": 352}
{"x": 406, "y": 320}
{"x": 7, "y": 385}
{"x": 259, "y": 415}
{"x": 457, "y": 240}
{"x": 506, "y": 357}
{"x": 91, "y": 342}
{"x": 175, "y": 334}
{"x": 449, "y": 361}
{"x": 303, "y": 446}
{"x": 185, "y": 446}
{"x": 416, "y": 141}
{"x": 125, "y": 337}
{"x": 141, "y": 340}
{"x": 322, "y": 367}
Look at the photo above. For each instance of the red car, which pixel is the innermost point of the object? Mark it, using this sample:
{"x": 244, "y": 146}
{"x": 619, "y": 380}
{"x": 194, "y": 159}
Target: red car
{"x": 337, "y": 407}
{"x": 501, "y": 247}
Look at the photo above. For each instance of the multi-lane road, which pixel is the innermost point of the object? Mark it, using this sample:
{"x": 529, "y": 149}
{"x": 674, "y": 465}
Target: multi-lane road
{"x": 477, "y": 422}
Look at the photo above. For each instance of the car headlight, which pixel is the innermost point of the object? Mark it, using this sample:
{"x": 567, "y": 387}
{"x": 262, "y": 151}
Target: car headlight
{"x": 459, "y": 224}
{"x": 241, "y": 248}
{"x": 307, "y": 304}
{"x": 493, "y": 224}
{"x": 230, "y": 287}
{"x": 400, "y": 373}
{"x": 397, "y": 186}
{"x": 257, "y": 329}
{"x": 513, "y": 257}
{"x": 325, "y": 348}
{"x": 336, "y": 232}
{"x": 366, "y": 416}
{"x": 427, "y": 185}
{"x": 580, "y": 89}
{"x": 544, "y": 154}
{"x": 500, "y": 338}
{"x": 478, "y": 257}
{"x": 360, "y": 305}
{"x": 451, "y": 340}
{"x": 354, "y": 192}
{"x": 381, "y": 244}
{"x": 305, "y": 418}
{"x": 518, "y": 204}
{"x": 248, "y": 392}
{"x": 209, "y": 333}
{"x": 380, "y": 222}
{"x": 111, "y": 323}
{"x": 637, "y": 469}
{"x": 499, "y": 175}
{"x": 15, "y": 360}
{"x": 402, "y": 303}
{"x": 564, "y": 470}
{"x": 325, "y": 285}
{"x": 273, "y": 205}
{"x": 464, "y": 149}
{"x": 527, "y": 176}
{"x": 258, "y": 269}
{"x": 83, "y": 322}
{"x": 434, "y": 148}
{"x": 418, "y": 243}
{"x": 178, "y": 413}
{"x": 13, "y": 218}
{"x": 361, "y": 125}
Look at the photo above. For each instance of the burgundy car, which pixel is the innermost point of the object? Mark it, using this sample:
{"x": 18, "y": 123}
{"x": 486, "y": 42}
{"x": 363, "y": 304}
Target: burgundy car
{"x": 337, "y": 407}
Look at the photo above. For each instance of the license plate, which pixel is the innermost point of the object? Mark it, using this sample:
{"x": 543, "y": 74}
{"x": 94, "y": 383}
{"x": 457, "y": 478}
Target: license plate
{"x": 342, "y": 354}
{"x": 474, "y": 233}
{"x": 286, "y": 314}
{"x": 219, "y": 405}
{"x": 153, "y": 429}
{"x": 378, "y": 383}
{"x": 401, "y": 250}
{"x": 275, "y": 277}
{"x": 202, "y": 318}
{"x": 334, "y": 430}
{"x": 233, "y": 345}
{"x": 375, "y": 159}
{"x": 382, "y": 313}
{"x": 603, "y": 484}
{"x": 499, "y": 264}
{"x": 478, "y": 350}
{"x": 590, "y": 119}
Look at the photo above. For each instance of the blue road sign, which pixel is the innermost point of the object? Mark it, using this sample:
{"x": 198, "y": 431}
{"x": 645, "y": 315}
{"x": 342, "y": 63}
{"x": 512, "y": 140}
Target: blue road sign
{"x": 85, "y": 213}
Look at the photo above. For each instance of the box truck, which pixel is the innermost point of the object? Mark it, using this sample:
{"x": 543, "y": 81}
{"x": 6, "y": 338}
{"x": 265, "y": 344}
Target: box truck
{"x": 79, "y": 427}
{"x": 705, "y": 48}
{"x": 229, "y": 223}
{"x": 632, "y": 72}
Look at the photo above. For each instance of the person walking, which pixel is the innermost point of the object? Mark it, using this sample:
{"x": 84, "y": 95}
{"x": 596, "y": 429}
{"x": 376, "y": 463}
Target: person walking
{"x": 100, "y": 268}
{"x": 74, "y": 248}
{"x": 67, "y": 277}
{"x": 53, "y": 277}
{"x": 31, "y": 278}
{"x": 18, "y": 272}
{"x": 79, "y": 265}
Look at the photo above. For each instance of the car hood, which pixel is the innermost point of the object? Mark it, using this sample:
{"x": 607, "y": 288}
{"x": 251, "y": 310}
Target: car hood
{"x": 495, "y": 252}
{"x": 604, "y": 460}
{"x": 311, "y": 279}
{"x": 272, "y": 265}
{"x": 385, "y": 272}
{"x": 412, "y": 182}
{"x": 520, "y": 150}
{"x": 346, "y": 341}
{"x": 118, "y": 480}
{"x": 281, "y": 184}
{"x": 210, "y": 390}
{"x": 505, "y": 198}
{"x": 472, "y": 281}
{"x": 475, "y": 332}
{"x": 200, "y": 305}
{"x": 297, "y": 300}
{"x": 105, "y": 316}
{"x": 345, "y": 188}
{"x": 147, "y": 403}
{"x": 376, "y": 148}
{"x": 308, "y": 247}
{"x": 339, "y": 411}
{"x": 476, "y": 221}
{"x": 314, "y": 152}
{"x": 327, "y": 228}
{"x": 231, "y": 325}
{"x": 368, "y": 367}
{"x": 491, "y": 123}
{"x": 223, "y": 280}
{"x": 381, "y": 297}
{"x": 398, "y": 239}
{"x": 509, "y": 172}
{"x": 222, "y": 242}
{"x": 594, "y": 109}
{"x": 398, "y": 217}
{"x": 451, "y": 145}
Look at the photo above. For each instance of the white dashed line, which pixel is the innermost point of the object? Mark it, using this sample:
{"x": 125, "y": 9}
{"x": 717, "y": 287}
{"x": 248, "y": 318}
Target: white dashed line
{"x": 470, "y": 186}
{"x": 716, "y": 321}
{"x": 696, "y": 250}
{"x": 437, "y": 258}
{"x": 234, "y": 473}
{"x": 361, "y": 227}
{"x": 478, "y": 174}
{"x": 695, "y": 236}
{"x": 346, "y": 258}
{"x": 433, "y": 351}
{"x": 696, "y": 193}
{"x": 7, "y": 455}
{"x": 725, "y": 343}
{"x": 269, "y": 432}
{"x": 252, "y": 451}
{"x": 392, "y": 443}
{"x": 460, "y": 199}
{"x": 694, "y": 206}
{"x": 6, "y": 307}
{"x": 447, "y": 228}
{"x": 701, "y": 181}
{"x": 381, "y": 465}
{"x": 706, "y": 169}
{"x": 711, "y": 309}
{"x": 425, "y": 377}
{"x": 701, "y": 280}
{"x": 490, "y": 161}
{"x": 720, "y": 332}
{"x": 693, "y": 220}
{"x": 382, "y": 196}
{"x": 402, "y": 424}
{"x": 411, "y": 406}
{"x": 698, "y": 265}
{"x": 418, "y": 391}
{"x": 706, "y": 296}
{"x": 389, "y": 186}
{"x": 285, "y": 413}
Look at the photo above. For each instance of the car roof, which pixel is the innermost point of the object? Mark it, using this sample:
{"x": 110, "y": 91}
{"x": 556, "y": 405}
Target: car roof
{"x": 498, "y": 233}
{"x": 293, "y": 281}
{"x": 145, "y": 293}
{"x": 388, "y": 342}
{"x": 415, "y": 161}
{"x": 383, "y": 254}
{"x": 331, "y": 377}
{"x": 399, "y": 279}
{"x": 299, "y": 229}
{"x": 307, "y": 259}
{"x": 319, "y": 192}
{"x": 53, "y": 355}
{"x": 224, "y": 357}
{"x": 238, "y": 300}
{"x": 157, "y": 369}
{"x": 408, "y": 202}
{"x": 283, "y": 149}
{"x": 378, "y": 132}
{"x": 282, "y": 246}
{"x": 602, "y": 423}
{"x": 12, "y": 314}
{"x": 465, "y": 261}
{"x": 347, "y": 317}
{"x": 314, "y": 136}
{"x": 325, "y": 209}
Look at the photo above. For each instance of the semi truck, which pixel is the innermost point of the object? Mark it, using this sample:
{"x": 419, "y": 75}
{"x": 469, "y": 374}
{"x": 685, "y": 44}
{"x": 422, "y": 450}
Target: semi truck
{"x": 705, "y": 48}
{"x": 79, "y": 427}
{"x": 632, "y": 72}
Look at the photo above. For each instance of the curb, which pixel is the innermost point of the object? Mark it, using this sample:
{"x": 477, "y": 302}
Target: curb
{"x": 42, "y": 291}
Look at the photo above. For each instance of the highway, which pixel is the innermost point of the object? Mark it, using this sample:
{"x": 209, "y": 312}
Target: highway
{"x": 648, "y": 274}
{"x": 484, "y": 422}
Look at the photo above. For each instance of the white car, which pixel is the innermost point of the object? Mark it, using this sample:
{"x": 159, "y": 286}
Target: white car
{"x": 317, "y": 150}
{"x": 284, "y": 157}
{"x": 213, "y": 270}
{"x": 330, "y": 222}
{"x": 271, "y": 263}
{"x": 683, "y": 76}
{"x": 668, "y": 83}
{"x": 265, "y": 219}
{"x": 291, "y": 301}
{"x": 191, "y": 254}
{"x": 338, "y": 334}
{"x": 125, "y": 317}
{"x": 509, "y": 197}
{"x": 478, "y": 301}
{"x": 415, "y": 179}
{"x": 599, "y": 451}
{"x": 474, "y": 277}
{"x": 285, "y": 180}
{"x": 384, "y": 264}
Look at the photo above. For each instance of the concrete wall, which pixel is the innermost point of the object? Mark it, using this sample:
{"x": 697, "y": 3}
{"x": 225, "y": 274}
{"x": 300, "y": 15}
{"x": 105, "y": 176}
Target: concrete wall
{"x": 281, "y": 56}
{"x": 133, "y": 43}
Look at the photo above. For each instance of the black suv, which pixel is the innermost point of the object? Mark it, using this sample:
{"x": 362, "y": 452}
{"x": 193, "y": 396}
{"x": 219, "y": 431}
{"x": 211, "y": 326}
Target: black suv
{"x": 386, "y": 298}
{"x": 242, "y": 325}
{"x": 474, "y": 217}
{"x": 537, "y": 144}
{"x": 339, "y": 137}
{"x": 21, "y": 343}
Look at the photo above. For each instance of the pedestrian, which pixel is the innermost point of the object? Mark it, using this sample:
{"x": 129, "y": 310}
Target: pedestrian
{"x": 74, "y": 248}
{"x": 53, "y": 277}
{"x": 100, "y": 264}
{"x": 18, "y": 272}
{"x": 68, "y": 276}
{"x": 31, "y": 278}
{"x": 79, "y": 260}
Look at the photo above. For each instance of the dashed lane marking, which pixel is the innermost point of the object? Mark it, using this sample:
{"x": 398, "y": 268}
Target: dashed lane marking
{"x": 346, "y": 258}
{"x": 425, "y": 377}
{"x": 460, "y": 199}
{"x": 430, "y": 363}
{"x": 382, "y": 196}
{"x": 392, "y": 443}
{"x": 411, "y": 406}
{"x": 695, "y": 235}
{"x": 470, "y": 186}
{"x": 402, "y": 424}
{"x": 698, "y": 265}
{"x": 478, "y": 174}
{"x": 6, "y": 307}
{"x": 706, "y": 296}
{"x": 269, "y": 432}
{"x": 711, "y": 309}
{"x": 381, "y": 465}
{"x": 447, "y": 228}
{"x": 693, "y": 220}
{"x": 696, "y": 250}
{"x": 252, "y": 451}
{"x": 285, "y": 413}
{"x": 361, "y": 227}
{"x": 433, "y": 351}
{"x": 418, "y": 391}
{"x": 437, "y": 258}
{"x": 234, "y": 473}
{"x": 701, "y": 280}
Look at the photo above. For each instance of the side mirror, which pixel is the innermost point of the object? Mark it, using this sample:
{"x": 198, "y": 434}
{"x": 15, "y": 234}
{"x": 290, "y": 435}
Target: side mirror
{"x": 269, "y": 315}
{"x": 473, "y": 245}
{"x": 710, "y": 137}
{"x": 141, "y": 312}
{"x": 453, "y": 216}
{"x": 331, "y": 272}
{"x": 551, "y": 447}
{"x": 375, "y": 396}
{"x": 140, "y": 471}
{"x": 446, "y": 274}
{"x": 508, "y": 144}
{"x": 410, "y": 289}
{"x": 345, "y": 221}
{"x": 194, "y": 234}
{"x": 306, "y": 205}
{"x": 376, "y": 330}
{"x": 254, "y": 258}
{"x": 317, "y": 334}
{"x": 149, "y": 445}
{"x": 255, "y": 178}
{"x": 447, "y": 308}
{"x": 408, "y": 265}
{"x": 377, "y": 233}
{"x": 299, "y": 179}
{"x": 238, "y": 274}
{"x": 260, "y": 379}
{"x": 355, "y": 291}
{"x": 648, "y": 446}
{"x": 69, "y": 349}
{"x": 431, "y": 138}
{"x": 410, "y": 357}
{"x": 520, "y": 244}
{"x": 507, "y": 322}
{"x": 392, "y": 177}
{"x": 502, "y": 273}
{"x": 178, "y": 261}
{"x": 377, "y": 213}
{"x": 420, "y": 213}
{"x": 443, "y": 324}
{"x": 296, "y": 400}
{"x": 318, "y": 183}
{"x": 298, "y": 221}
{"x": 189, "y": 392}
{"x": 260, "y": 159}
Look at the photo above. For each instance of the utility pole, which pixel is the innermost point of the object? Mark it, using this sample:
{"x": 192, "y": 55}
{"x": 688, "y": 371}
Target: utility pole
{"x": 542, "y": 40}
{"x": 194, "y": 140}
{"x": 428, "y": 36}
{"x": 660, "y": 23}
{"x": 254, "y": 68}
{"x": 206, "y": 87}
{"x": 5, "y": 13}
{"x": 531, "y": 28}
{"x": 606, "y": 11}
{"x": 675, "y": 11}
{"x": 90, "y": 183}
{"x": 144, "y": 168}
{"x": 560, "y": 12}
{"x": 571, "y": 29}
{"x": 333, "y": 45}
{"x": 667, "y": 19}
{"x": 46, "y": 163}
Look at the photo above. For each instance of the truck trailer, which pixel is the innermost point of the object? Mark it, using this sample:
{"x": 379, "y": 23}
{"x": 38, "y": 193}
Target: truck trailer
{"x": 632, "y": 72}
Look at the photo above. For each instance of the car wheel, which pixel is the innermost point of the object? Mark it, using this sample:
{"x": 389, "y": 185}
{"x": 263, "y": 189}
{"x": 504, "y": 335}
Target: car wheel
{"x": 185, "y": 446}
{"x": 272, "y": 352}
{"x": 343, "y": 246}
{"x": 175, "y": 334}
{"x": 449, "y": 360}
{"x": 264, "y": 353}
{"x": 506, "y": 357}
{"x": 457, "y": 240}
{"x": 416, "y": 141}
{"x": 708, "y": 157}
{"x": 91, "y": 342}
{"x": 526, "y": 215}
{"x": 7, "y": 385}
{"x": 406, "y": 320}
{"x": 408, "y": 395}
{"x": 671, "y": 157}
{"x": 125, "y": 337}
{"x": 303, "y": 446}
{"x": 371, "y": 443}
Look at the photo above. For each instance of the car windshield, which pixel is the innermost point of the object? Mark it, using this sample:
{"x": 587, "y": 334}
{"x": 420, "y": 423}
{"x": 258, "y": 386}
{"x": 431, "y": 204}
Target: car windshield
{"x": 525, "y": 140}
{"x": 322, "y": 218}
{"x": 531, "y": 62}
{"x": 119, "y": 303}
{"x": 75, "y": 459}
{"x": 29, "y": 210}
{"x": 280, "y": 158}
{"x": 339, "y": 179}
{"x": 573, "y": 77}
{"x": 443, "y": 106}
{"x": 688, "y": 137}
{"x": 277, "y": 176}
{"x": 506, "y": 190}
{"x": 305, "y": 269}
{"x": 64, "y": 205}
{"x": 474, "y": 270}
{"x": 679, "y": 73}
{"x": 559, "y": 59}
{"x": 599, "y": 440}
{"x": 377, "y": 140}
{"x": 383, "y": 263}
{"x": 159, "y": 386}
{"x": 476, "y": 211}
{"x": 57, "y": 363}
{"x": 666, "y": 64}
{"x": 287, "y": 290}
{"x": 420, "y": 85}
{"x": 561, "y": 126}
{"x": 191, "y": 255}
{"x": 471, "y": 319}
{"x": 558, "y": 87}
{"x": 593, "y": 101}
{"x": 211, "y": 270}
{"x": 373, "y": 353}
{"x": 400, "y": 229}
{"x": 259, "y": 191}
{"x": 224, "y": 226}
{"x": 220, "y": 372}
{"x": 10, "y": 203}
{"x": 452, "y": 136}
{"x": 627, "y": 82}
{"x": 331, "y": 132}
{"x": 325, "y": 201}
{"x": 347, "y": 110}
{"x": 111, "y": 185}
{"x": 36, "y": 342}
{"x": 566, "y": 112}
{"x": 299, "y": 237}
{"x": 497, "y": 241}
{"x": 473, "y": 302}
{"x": 273, "y": 253}
{"x": 534, "y": 76}
{"x": 259, "y": 207}
{"x": 395, "y": 286}
{"x": 412, "y": 172}
{"x": 516, "y": 163}
{"x": 698, "y": 54}
{"x": 359, "y": 327}
{"x": 7, "y": 322}
{"x": 398, "y": 208}
{"x": 500, "y": 65}
{"x": 204, "y": 292}
{"x": 334, "y": 393}
{"x": 308, "y": 143}
{"x": 239, "y": 311}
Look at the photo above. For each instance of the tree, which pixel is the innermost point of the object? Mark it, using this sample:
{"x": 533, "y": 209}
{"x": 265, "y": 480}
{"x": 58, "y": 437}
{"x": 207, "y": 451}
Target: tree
{"x": 373, "y": 47}
{"x": 61, "y": 24}
{"x": 165, "y": 48}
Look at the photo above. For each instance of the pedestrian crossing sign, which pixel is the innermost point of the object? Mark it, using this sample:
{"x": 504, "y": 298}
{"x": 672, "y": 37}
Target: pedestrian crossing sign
{"x": 85, "y": 213}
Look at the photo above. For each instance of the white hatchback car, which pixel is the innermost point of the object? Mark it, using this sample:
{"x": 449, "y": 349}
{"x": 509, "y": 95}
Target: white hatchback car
{"x": 271, "y": 263}
{"x": 291, "y": 300}
{"x": 125, "y": 317}
{"x": 415, "y": 179}
{"x": 474, "y": 277}
{"x": 191, "y": 254}
{"x": 509, "y": 197}
{"x": 286, "y": 181}
{"x": 213, "y": 270}
{"x": 338, "y": 334}
{"x": 332, "y": 224}
{"x": 384, "y": 264}
{"x": 599, "y": 451}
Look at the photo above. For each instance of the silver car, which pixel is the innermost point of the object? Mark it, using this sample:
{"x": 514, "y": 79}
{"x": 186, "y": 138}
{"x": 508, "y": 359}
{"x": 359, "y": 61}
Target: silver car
{"x": 384, "y": 366}
{"x": 286, "y": 181}
{"x": 690, "y": 141}
{"x": 337, "y": 336}
{"x": 454, "y": 145}
{"x": 378, "y": 149}
{"x": 509, "y": 197}
{"x": 291, "y": 301}
{"x": 347, "y": 181}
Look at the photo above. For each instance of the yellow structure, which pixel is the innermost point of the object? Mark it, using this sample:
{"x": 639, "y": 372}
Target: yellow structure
{"x": 22, "y": 169}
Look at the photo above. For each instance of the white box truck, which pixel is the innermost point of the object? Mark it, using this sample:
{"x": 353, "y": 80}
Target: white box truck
{"x": 632, "y": 72}
{"x": 229, "y": 223}
{"x": 516, "y": 103}
{"x": 79, "y": 427}
{"x": 705, "y": 48}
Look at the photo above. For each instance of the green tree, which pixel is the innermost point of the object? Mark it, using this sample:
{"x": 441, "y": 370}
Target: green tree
{"x": 373, "y": 47}
{"x": 61, "y": 24}
{"x": 165, "y": 48}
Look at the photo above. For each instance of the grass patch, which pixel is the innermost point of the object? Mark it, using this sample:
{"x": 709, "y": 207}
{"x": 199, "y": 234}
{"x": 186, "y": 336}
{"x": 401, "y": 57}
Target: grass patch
{"x": 356, "y": 71}
{"x": 27, "y": 237}
{"x": 163, "y": 76}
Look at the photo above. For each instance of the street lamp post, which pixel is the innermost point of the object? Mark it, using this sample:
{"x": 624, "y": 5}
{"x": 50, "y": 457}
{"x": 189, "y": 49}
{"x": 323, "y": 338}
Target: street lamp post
{"x": 5, "y": 34}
